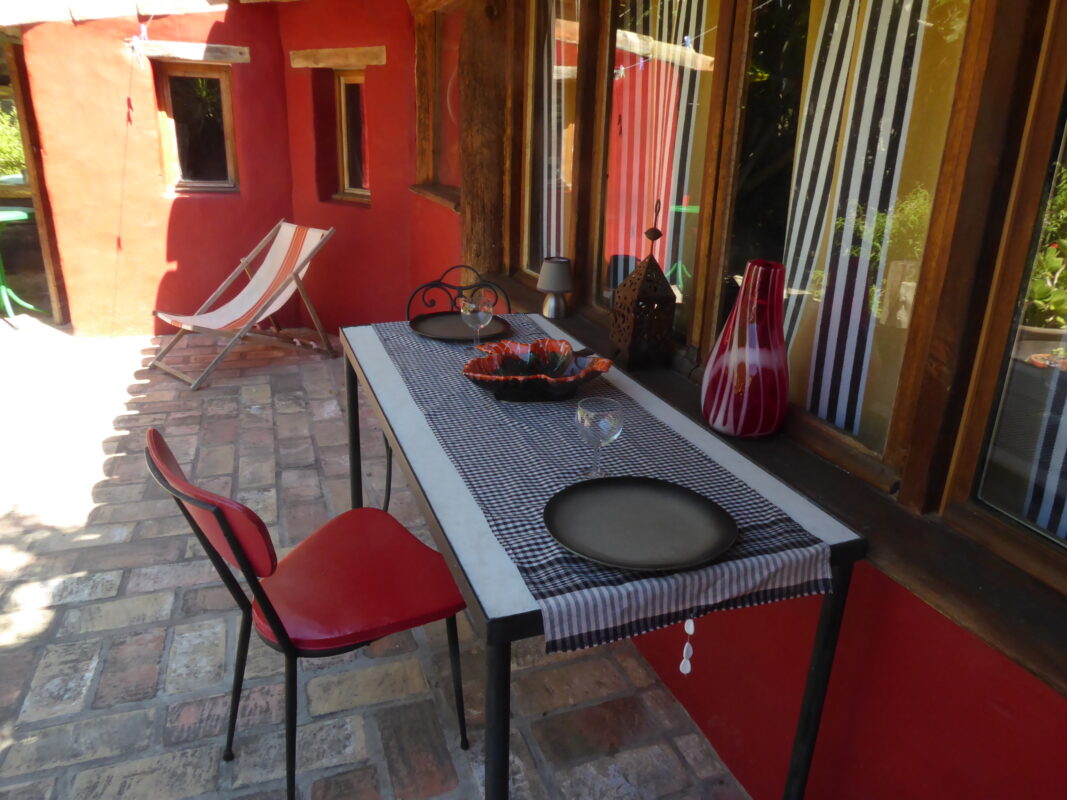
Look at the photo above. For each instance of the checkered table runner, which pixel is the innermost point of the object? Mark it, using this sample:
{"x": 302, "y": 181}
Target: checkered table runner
{"x": 515, "y": 456}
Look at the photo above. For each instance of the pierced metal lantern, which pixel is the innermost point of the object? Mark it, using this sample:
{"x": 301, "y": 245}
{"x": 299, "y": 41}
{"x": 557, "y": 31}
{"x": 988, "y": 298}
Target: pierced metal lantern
{"x": 642, "y": 316}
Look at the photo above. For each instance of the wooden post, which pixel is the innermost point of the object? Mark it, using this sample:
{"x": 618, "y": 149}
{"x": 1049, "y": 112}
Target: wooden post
{"x": 483, "y": 96}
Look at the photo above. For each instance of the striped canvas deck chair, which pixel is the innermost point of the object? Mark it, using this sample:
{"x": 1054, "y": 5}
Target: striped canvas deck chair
{"x": 280, "y": 273}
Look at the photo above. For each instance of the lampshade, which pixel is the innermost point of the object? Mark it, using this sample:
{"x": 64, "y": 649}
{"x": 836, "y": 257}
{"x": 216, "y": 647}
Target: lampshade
{"x": 555, "y": 275}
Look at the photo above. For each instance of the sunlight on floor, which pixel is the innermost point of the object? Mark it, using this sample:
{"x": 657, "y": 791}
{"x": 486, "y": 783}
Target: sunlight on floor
{"x": 23, "y": 626}
{"x": 64, "y": 392}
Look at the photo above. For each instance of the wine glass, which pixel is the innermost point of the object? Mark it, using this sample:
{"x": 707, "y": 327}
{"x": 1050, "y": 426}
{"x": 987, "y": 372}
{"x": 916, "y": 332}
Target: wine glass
{"x": 599, "y": 421}
{"x": 477, "y": 311}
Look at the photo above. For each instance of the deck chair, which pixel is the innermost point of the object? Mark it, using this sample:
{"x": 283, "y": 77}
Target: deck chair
{"x": 269, "y": 287}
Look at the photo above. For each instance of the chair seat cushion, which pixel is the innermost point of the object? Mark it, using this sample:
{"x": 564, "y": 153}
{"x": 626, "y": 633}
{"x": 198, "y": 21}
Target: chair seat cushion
{"x": 360, "y": 577}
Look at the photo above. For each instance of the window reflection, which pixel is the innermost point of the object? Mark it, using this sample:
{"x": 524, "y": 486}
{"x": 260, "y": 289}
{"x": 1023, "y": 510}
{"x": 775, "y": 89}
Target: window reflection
{"x": 1024, "y": 468}
{"x": 878, "y": 84}
{"x": 660, "y": 112}
{"x": 555, "y": 55}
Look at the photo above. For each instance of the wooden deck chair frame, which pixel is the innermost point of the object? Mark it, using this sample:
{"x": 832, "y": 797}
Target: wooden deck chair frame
{"x": 246, "y": 330}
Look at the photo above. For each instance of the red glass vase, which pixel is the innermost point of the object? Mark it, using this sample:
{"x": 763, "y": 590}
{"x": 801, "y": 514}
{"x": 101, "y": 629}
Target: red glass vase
{"x": 746, "y": 381}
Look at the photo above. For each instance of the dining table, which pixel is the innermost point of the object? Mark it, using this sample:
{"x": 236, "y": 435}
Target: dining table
{"x": 483, "y": 470}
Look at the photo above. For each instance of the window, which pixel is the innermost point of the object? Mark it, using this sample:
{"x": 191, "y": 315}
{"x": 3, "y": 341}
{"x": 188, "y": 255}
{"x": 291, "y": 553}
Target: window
{"x": 13, "y": 175}
{"x": 438, "y": 110}
{"x": 197, "y": 117}
{"x": 351, "y": 135}
{"x": 811, "y": 133}
{"x": 872, "y": 108}
{"x": 1008, "y": 485}
{"x": 550, "y": 158}
{"x": 339, "y": 117}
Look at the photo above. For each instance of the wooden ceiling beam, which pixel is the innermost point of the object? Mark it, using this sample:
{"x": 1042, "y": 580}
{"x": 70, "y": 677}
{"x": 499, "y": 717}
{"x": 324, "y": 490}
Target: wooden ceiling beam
{"x": 339, "y": 57}
{"x": 192, "y": 51}
{"x": 420, "y": 7}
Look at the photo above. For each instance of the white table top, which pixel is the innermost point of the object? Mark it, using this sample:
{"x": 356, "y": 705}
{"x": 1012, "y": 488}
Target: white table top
{"x": 492, "y": 575}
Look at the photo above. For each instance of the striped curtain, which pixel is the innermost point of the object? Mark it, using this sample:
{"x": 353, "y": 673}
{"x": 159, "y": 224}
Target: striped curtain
{"x": 850, "y": 149}
{"x": 559, "y": 59}
{"x": 1047, "y": 496}
{"x": 658, "y": 65}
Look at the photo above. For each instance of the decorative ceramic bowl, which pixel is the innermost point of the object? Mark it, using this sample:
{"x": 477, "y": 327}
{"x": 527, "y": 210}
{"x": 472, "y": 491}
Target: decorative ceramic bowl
{"x": 545, "y": 369}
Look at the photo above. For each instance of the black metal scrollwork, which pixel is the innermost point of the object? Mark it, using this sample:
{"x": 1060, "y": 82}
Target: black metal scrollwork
{"x": 447, "y": 291}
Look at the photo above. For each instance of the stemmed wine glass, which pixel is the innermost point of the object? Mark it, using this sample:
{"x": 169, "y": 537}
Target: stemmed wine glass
{"x": 599, "y": 421}
{"x": 477, "y": 311}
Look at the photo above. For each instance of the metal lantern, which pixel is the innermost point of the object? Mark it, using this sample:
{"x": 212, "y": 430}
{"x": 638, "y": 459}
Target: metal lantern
{"x": 642, "y": 316}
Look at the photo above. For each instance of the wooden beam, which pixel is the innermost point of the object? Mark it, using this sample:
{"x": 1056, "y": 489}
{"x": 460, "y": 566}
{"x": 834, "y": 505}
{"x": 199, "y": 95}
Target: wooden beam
{"x": 425, "y": 97}
{"x": 996, "y": 75}
{"x": 639, "y": 44}
{"x": 192, "y": 51}
{"x": 420, "y": 7}
{"x": 483, "y": 134}
{"x": 338, "y": 57}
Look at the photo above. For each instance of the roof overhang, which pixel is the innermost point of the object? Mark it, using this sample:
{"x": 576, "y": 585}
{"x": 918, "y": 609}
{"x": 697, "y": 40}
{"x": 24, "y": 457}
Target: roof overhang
{"x": 81, "y": 10}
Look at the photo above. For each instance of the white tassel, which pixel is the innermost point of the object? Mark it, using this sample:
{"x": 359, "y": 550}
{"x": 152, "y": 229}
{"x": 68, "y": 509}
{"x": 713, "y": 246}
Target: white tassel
{"x": 687, "y": 650}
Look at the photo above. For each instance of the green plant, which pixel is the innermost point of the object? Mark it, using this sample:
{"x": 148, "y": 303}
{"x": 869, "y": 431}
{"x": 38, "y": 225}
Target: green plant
{"x": 12, "y": 159}
{"x": 1046, "y": 294}
{"x": 907, "y": 220}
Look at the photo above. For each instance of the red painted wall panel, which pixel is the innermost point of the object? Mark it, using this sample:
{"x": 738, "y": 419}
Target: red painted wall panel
{"x": 127, "y": 244}
{"x": 381, "y": 251}
{"x": 918, "y": 707}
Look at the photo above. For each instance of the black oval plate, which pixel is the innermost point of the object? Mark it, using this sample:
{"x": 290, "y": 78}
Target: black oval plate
{"x": 449, "y": 326}
{"x": 641, "y": 524}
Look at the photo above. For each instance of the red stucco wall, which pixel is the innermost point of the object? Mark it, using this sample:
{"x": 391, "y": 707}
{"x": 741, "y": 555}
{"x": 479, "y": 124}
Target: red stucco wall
{"x": 128, "y": 245}
{"x": 918, "y": 707}
{"x": 381, "y": 251}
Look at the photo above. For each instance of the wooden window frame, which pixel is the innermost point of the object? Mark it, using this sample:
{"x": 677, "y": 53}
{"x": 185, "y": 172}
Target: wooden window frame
{"x": 359, "y": 194}
{"x": 163, "y": 71}
{"x": 598, "y": 27}
{"x": 1032, "y": 552}
{"x": 427, "y": 14}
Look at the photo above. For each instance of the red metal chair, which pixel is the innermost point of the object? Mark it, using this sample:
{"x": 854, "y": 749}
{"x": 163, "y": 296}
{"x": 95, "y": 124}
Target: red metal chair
{"x": 358, "y": 578}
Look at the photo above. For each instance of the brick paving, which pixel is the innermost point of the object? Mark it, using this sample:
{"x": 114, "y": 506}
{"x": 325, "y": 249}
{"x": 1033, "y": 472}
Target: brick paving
{"x": 117, "y": 638}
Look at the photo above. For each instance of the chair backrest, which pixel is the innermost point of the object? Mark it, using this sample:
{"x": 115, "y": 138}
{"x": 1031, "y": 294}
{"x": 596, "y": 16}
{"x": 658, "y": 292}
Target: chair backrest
{"x": 454, "y": 283}
{"x": 290, "y": 253}
{"x": 210, "y": 512}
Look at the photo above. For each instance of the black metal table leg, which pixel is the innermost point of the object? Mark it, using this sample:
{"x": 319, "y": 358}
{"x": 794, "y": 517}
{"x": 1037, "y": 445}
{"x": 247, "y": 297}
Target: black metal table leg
{"x": 355, "y": 462}
{"x": 497, "y": 720}
{"x": 822, "y": 660}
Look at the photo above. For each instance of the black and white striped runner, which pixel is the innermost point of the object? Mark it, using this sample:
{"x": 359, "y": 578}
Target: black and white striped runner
{"x": 514, "y": 457}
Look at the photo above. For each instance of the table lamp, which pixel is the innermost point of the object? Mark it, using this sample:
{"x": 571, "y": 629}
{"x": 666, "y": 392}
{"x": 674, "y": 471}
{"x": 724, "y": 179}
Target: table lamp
{"x": 554, "y": 281}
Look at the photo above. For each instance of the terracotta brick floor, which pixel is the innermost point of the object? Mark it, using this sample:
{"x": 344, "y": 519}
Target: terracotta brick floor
{"x": 117, "y": 639}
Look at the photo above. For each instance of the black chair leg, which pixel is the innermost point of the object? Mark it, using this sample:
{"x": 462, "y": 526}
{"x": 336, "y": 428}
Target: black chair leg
{"x": 457, "y": 679}
{"x": 290, "y": 727}
{"x": 238, "y": 681}
{"x": 388, "y": 474}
